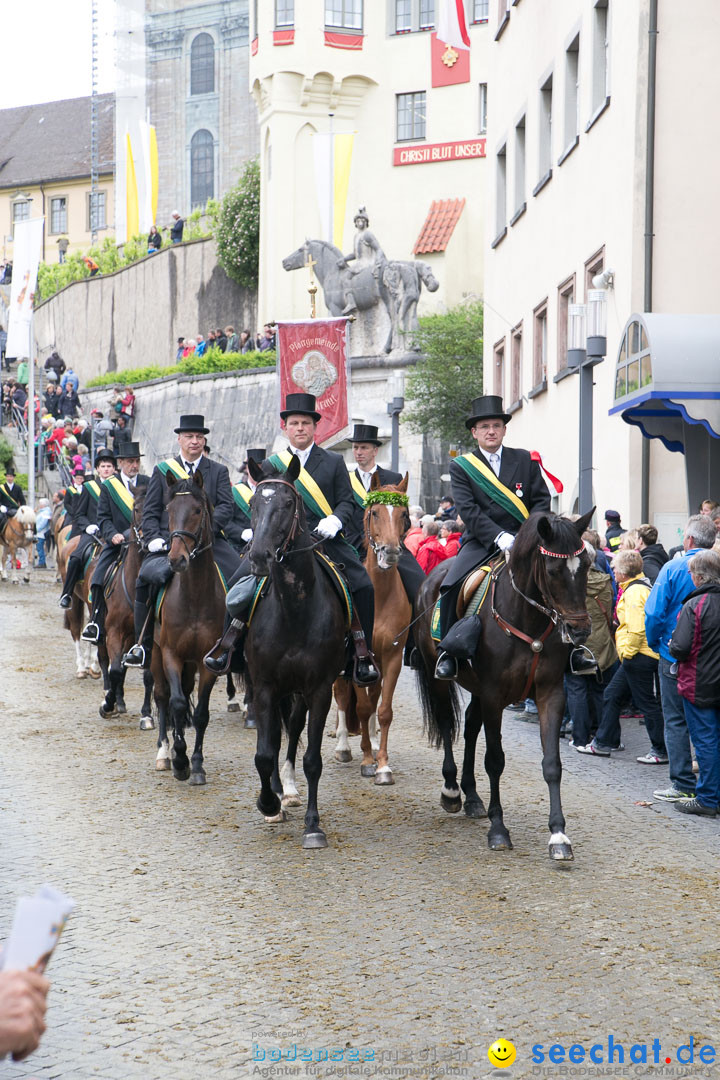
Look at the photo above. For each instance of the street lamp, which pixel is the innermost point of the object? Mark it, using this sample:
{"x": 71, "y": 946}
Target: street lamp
{"x": 394, "y": 408}
{"x": 587, "y": 346}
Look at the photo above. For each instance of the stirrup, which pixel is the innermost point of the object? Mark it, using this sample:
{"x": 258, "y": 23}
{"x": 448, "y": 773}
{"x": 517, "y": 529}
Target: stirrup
{"x": 135, "y": 657}
{"x": 218, "y": 665}
{"x": 446, "y": 667}
{"x": 582, "y": 661}
{"x": 91, "y": 632}
{"x": 65, "y": 601}
{"x": 367, "y": 677}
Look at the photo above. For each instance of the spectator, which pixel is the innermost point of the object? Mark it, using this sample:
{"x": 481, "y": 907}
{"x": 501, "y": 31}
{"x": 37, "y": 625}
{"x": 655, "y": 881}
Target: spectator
{"x": 654, "y": 555}
{"x": 414, "y": 534}
{"x": 69, "y": 401}
{"x": 91, "y": 265}
{"x": 180, "y": 347}
{"x": 23, "y": 374}
{"x": 3, "y": 347}
{"x": 6, "y": 278}
{"x": 176, "y": 230}
{"x": 51, "y": 400}
{"x": 19, "y": 395}
{"x": 638, "y": 667}
{"x": 584, "y": 691}
{"x": 628, "y": 541}
{"x": 267, "y": 341}
{"x": 189, "y": 348}
{"x": 42, "y": 524}
{"x": 708, "y": 506}
{"x": 123, "y": 435}
{"x": 670, "y": 591}
{"x": 450, "y": 535}
{"x": 55, "y": 364}
{"x": 127, "y": 401}
{"x": 233, "y": 341}
{"x": 446, "y": 510}
{"x": 70, "y": 378}
{"x": 613, "y": 530}
{"x": 211, "y": 339}
{"x": 23, "y": 1001}
{"x": 201, "y": 345}
{"x": 154, "y": 240}
{"x": 696, "y": 645}
{"x": 246, "y": 342}
{"x": 102, "y": 428}
{"x": 430, "y": 550}
{"x": 221, "y": 339}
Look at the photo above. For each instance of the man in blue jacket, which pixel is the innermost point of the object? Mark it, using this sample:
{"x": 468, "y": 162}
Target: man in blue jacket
{"x": 671, "y": 589}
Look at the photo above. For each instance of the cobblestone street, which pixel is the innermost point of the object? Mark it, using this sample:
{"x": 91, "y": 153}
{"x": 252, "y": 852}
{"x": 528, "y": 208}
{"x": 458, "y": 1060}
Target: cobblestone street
{"x": 204, "y": 939}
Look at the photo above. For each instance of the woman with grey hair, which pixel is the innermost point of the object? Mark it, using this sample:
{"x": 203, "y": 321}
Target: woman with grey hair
{"x": 695, "y": 644}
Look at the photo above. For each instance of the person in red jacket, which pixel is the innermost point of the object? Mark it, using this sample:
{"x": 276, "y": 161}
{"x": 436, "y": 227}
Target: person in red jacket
{"x": 430, "y": 551}
{"x": 450, "y": 536}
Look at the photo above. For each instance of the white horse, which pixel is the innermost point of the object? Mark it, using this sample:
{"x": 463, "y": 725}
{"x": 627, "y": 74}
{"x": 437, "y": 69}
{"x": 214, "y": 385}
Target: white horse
{"x": 18, "y": 534}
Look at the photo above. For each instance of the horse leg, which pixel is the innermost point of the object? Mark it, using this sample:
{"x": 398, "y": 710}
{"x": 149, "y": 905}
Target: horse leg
{"x": 162, "y": 703}
{"x": 146, "y": 718}
{"x": 385, "y": 691}
{"x": 366, "y": 704}
{"x": 233, "y": 705}
{"x": 267, "y": 753}
{"x": 498, "y": 836}
{"x": 343, "y": 690}
{"x": 178, "y": 712}
{"x": 551, "y": 708}
{"x": 109, "y": 705}
{"x": 3, "y": 571}
{"x": 474, "y": 807}
{"x": 296, "y": 725}
{"x": 313, "y": 835}
{"x": 201, "y": 718}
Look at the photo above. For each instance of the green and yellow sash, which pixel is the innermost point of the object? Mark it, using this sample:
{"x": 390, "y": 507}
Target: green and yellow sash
{"x": 171, "y": 465}
{"x": 488, "y": 481}
{"x": 242, "y": 494}
{"x": 93, "y": 487}
{"x": 8, "y": 499}
{"x": 121, "y": 497}
{"x": 306, "y": 487}
{"x": 358, "y": 490}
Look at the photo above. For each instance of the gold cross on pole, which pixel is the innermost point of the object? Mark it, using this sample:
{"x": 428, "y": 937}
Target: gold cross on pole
{"x": 312, "y": 288}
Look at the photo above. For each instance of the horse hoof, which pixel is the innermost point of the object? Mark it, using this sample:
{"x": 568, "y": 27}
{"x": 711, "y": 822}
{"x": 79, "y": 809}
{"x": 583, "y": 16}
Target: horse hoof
{"x": 368, "y": 770}
{"x": 250, "y": 725}
{"x": 81, "y": 674}
{"x": 95, "y": 674}
{"x": 121, "y": 708}
{"x": 146, "y": 723}
{"x": 198, "y": 779}
{"x": 105, "y": 714}
{"x": 499, "y": 842}
{"x": 451, "y": 805}
{"x": 162, "y": 764}
{"x": 384, "y": 776}
{"x": 561, "y": 853}
{"x": 291, "y": 800}
{"x": 314, "y": 840}
{"x": 181, "y": 774}
{"x": 330, "y": 733}
{"x": 475, "y": 809}
{"x": 234, "y": 706}
{"x": 276, "y": 819}
{"x": 343, "y": 755}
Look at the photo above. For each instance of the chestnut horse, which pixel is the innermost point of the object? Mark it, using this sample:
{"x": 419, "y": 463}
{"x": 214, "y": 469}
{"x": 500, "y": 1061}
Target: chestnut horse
{"x": 86, "y": 658}
{"x": 18, "y": 533}
{"x": 386, "y": 523}
{"x": 534, "y": 612}
{"x": 193, "y": 613}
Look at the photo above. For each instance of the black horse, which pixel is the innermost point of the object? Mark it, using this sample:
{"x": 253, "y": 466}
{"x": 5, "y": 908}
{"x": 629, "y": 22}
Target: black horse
{"x": 534, "y": 612}
{"x": 295, "y": 645}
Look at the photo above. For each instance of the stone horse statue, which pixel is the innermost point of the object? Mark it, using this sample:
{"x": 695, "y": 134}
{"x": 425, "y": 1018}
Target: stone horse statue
{"x": 395, "y": 285}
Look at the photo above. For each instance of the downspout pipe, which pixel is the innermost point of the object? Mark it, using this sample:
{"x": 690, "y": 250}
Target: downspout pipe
{"x": 649, "y": 226}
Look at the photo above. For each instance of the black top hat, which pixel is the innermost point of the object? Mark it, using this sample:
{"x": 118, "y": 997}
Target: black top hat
{"x": 489, "y": 407}
{"x": 10, "y": 472}
{"x": 129, "y": 450}
{"x": 257, "y": 455}
{"x": 300, "y": 403}
{"x": 365, "y": 433}
{"x": 104, "y": 455}
{"x": 192, "y": 423}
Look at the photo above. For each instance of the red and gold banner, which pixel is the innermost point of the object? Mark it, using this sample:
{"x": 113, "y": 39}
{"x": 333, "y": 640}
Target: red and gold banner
{"x": 312, "y": 360}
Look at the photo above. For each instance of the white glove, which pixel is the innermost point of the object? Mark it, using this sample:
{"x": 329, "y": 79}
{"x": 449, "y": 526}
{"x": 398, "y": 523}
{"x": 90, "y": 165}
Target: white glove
{"x": 4, "y": 509}
{"x": 92, "y": 529}
{"x": 505, "y": 541}
{"x": 329, "y": 526}
{"x": 246, "y": 535}
{"x": 158, "y": 544}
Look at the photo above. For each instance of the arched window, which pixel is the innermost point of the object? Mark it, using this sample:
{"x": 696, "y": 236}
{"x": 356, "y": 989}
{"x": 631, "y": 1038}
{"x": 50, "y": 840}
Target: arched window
{"x": 202, "y": 65}
{"x": 202, "y": 168}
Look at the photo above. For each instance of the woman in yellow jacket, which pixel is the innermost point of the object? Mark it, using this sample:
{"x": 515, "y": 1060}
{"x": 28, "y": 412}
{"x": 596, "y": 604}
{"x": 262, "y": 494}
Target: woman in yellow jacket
{"x": 638, "y": 666}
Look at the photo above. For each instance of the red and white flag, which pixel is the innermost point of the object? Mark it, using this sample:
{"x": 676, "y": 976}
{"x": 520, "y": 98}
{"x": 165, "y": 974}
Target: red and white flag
{"x": 451, "y": 26}
{"x": 312, "y": 360}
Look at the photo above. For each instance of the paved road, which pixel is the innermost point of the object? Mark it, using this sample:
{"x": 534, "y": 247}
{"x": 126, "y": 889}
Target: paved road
{"x": 204, "y": 938}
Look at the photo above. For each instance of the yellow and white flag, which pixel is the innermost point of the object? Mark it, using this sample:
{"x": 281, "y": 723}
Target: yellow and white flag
{"x": 333, "y": 162}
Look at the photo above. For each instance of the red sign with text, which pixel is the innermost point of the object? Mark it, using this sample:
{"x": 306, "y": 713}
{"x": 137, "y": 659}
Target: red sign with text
{"x": 311, "y": 360}
{"x": 449, "y": 66}
{"x": 424, "y": 154}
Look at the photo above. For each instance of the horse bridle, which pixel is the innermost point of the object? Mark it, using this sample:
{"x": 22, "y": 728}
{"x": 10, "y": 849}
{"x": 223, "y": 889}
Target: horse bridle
{"x": 371, "y": 543}
{"x": 195, "y": 537}
{"x": 282, "y": 551}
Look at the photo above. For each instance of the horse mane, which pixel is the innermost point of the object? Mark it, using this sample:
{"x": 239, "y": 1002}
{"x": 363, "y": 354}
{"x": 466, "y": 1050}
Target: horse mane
{"x": 25, "y": 515}
{"x": 564, "y": 533}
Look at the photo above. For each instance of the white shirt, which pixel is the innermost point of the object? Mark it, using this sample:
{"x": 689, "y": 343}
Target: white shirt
{"x": 128, "y": 481}
{"x": 366, "y": 477}
{"x": 495, "y": 459}
{"x": 302, "y": 454}
{"x": 190, "y": 466}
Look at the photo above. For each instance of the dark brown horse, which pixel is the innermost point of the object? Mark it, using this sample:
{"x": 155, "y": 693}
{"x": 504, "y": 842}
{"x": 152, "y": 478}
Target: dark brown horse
{"x": 295, "y": 645}
{"x": 193, "y": 611}
{"x": 534, "y": 613}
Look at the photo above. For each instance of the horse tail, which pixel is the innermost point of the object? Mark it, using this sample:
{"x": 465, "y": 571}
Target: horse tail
{"x": 440, "y": 704}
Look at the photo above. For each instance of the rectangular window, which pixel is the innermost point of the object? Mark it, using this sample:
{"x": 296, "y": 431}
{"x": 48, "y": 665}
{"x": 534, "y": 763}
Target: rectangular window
{"x": 480, "y": 11}
{"x": 499, "y": 368}
{"x": 403, "y": 16}
{"x": 572, "y": 70}
{"x": 284, "y": 13}
{"x": 500, "y": 190}
{"x": 58, "y": 215}
{"x": 482, "y": 125}
{"x": 540, "y": 344}
{"x": 600, "y": 55}
{"x": 20, "y": 212}
{"x": 516, "y": 365}
{"x": 566, "y": 296}
{"x": 594, "y": 265}
{"x": 410, "y": 116}
{"x": 96, "y": 211}
{"x": 545, "y": 129}
{"x": 519, "y": 165}
{"x": 427, "y": 14}
{"x": 344, "y": 14}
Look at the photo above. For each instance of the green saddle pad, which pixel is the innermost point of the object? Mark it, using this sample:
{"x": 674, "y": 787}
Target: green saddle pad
{"x": 335, "y": 577}
{"x": 474, "y": 604}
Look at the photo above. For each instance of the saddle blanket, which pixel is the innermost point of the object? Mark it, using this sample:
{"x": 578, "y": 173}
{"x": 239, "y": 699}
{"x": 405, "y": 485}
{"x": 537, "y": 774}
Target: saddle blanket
{"x": 333, "y": 575}
{"x": 472, "y": 597}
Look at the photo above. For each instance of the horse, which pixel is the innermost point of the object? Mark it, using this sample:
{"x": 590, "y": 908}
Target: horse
{"x": 193, "y": 611}
{"x": 295, "y": 645}
{"x": 386, "y": 524}
{"x": 86, "y": 657}
{"x": 18, "y": 533}
{"x": 405, "y": 281}
{"x": 534, "y": 612}
{"x": 120, "y": 627}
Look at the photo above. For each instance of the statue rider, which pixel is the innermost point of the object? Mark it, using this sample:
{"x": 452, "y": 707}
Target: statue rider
{"x": 367, "y": 255}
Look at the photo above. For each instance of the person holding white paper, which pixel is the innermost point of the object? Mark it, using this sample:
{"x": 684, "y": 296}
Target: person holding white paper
{"x": 23, "y": 1001}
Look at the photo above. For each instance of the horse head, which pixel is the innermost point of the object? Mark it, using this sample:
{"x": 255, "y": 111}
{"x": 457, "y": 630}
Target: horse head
{"x": 138, "y": 503}
{"x": 189, "y": 520}
{"x": 427, "y": 277}
{"x": 386, "y": 520}
{"x": 557, "y": 561}
{"x": 277, "y": 514}
{"x": 296, "y": 259}
{"x": 25, "y": 517}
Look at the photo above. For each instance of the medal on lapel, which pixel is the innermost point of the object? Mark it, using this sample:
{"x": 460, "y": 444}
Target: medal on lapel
{"x": 519, "y": 491}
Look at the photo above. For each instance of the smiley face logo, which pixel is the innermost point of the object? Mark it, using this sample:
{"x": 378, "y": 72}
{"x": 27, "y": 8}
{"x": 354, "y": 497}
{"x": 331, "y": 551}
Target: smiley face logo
{"x": 501, "y": 1054}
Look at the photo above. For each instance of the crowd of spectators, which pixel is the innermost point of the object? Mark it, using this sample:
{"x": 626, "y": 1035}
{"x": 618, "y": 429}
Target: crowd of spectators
{"x": 227, "y": 340}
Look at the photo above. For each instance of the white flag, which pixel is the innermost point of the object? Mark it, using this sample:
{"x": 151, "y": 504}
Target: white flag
{"x": 27, "y": 246}
{"x": 451, "y": 27}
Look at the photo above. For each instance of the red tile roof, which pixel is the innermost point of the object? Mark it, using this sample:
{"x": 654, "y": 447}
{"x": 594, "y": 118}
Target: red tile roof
{"x": 439, "y": 224}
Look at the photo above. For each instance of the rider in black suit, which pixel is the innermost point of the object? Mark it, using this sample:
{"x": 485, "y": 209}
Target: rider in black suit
{"x": 11, "y": 494}
{"x": 84, "y": 522}
{"x": 489, "y": 526}
{"x": 114, "y": 525}
{"x": 155, "y": 569}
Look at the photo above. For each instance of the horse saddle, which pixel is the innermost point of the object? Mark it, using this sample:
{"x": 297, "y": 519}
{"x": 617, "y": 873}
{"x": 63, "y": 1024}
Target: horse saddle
{"x": 472, "y": 595}
{"x": 110, "y": 579}
{"x": 243, "y": 598}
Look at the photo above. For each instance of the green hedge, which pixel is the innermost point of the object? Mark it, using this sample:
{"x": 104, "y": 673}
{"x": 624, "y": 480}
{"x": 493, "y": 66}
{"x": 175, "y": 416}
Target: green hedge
{"x": 213, "y": 360}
